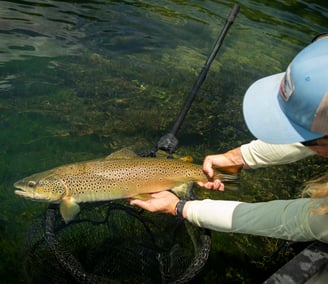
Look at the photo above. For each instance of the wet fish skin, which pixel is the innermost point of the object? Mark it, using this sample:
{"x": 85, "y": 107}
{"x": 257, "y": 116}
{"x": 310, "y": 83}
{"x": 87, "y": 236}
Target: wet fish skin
{"x": 107, "y": 179}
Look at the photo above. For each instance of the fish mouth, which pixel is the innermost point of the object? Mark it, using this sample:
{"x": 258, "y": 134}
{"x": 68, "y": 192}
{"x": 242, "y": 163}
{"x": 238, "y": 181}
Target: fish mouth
{"x": 22, "y": 192}
{"x": 28, "y": 193}
{"x": 31, "y": 195}
{"x": 19, "y": 190}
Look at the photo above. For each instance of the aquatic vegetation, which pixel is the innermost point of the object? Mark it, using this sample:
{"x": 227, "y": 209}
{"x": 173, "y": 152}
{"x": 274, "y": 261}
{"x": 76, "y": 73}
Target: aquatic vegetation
{"x": 91, "y": 116}
{"x": 80, "y": 80}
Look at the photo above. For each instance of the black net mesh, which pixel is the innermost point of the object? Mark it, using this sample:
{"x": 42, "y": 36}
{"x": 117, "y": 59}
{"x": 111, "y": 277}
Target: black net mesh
{"x": 114, "y": 243}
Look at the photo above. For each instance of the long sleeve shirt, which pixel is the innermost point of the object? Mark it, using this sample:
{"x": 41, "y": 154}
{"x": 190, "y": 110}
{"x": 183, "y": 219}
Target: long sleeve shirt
{"x": 284, "y": 219}
{"x": 258, "y": 154}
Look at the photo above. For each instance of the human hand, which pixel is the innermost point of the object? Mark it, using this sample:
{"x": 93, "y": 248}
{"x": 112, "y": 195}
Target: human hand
{"x": 215, "y": 184}
{"x": 209, "y": 163}
{"x": 163, "y": 201}
{"x": 230, "y": 162}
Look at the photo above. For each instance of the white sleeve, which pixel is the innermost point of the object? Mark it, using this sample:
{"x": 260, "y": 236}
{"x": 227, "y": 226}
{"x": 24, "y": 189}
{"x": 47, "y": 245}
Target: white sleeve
{"x": 283, "y": 219}
{"x": 259, "y": 154}
{"x": 212, "y": 214}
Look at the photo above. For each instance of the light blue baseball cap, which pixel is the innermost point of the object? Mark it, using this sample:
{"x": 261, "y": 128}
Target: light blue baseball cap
{"x": 292, "y": 106}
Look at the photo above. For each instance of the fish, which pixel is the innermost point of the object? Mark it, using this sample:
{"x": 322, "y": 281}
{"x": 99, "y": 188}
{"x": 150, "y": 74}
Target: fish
{"x": 123, "y": 174}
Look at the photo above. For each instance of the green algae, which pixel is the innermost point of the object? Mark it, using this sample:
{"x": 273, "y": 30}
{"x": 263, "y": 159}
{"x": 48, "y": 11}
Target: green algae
{"x": 65, "y": 106}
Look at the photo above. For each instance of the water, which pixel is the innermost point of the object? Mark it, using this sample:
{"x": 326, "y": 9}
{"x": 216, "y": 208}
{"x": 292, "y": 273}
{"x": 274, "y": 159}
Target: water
{"x": 81, "y": 79}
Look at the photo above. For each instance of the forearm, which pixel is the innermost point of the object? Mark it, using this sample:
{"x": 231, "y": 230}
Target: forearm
{"x": 211, "y": 214}
{"x": 257, "y": 153}
{"x": 230, "y": 162}
{"x": 234, "y": 158}
{"x": 284, "y": 219}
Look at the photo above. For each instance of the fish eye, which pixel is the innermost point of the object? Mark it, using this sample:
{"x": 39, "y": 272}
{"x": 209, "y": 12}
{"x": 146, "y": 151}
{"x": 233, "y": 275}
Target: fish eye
{"x": 31, "y": 183}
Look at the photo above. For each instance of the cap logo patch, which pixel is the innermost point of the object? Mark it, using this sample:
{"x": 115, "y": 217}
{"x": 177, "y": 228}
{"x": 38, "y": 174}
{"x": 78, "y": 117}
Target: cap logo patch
{"x": 286, "y": 85}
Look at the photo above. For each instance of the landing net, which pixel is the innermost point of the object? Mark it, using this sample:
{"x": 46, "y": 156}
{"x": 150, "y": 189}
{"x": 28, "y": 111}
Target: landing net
{"x": 113, "y": 242}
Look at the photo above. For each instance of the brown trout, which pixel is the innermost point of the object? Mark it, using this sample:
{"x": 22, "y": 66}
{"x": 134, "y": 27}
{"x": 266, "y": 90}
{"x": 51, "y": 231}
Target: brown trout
{"x": 121, "y": 175}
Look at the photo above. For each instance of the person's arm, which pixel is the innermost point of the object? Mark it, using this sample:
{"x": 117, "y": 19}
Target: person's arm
{"x": 283, "y": 219}
{"x": 257, "y": 153}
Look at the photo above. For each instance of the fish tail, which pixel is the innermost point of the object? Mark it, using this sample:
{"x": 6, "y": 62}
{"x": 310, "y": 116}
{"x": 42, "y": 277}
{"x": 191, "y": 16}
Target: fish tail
{"x": 230, "y": 169}
{"x": 231, "y": 181}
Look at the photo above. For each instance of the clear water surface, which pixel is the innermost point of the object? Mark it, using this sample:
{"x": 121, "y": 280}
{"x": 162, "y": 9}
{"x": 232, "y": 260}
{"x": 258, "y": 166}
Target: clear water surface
{"x": 80, "y": 79}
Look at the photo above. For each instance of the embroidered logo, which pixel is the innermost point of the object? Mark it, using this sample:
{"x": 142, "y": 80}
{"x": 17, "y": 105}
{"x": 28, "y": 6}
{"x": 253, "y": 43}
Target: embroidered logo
{"x": 286, "y": 85}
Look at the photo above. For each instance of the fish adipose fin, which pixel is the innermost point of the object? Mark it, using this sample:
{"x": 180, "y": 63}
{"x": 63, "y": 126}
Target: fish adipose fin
{"x": 68, "y": 209}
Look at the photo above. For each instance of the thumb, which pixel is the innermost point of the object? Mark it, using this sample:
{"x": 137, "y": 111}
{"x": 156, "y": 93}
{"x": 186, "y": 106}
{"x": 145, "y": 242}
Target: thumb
{"x": 207, "y": 168}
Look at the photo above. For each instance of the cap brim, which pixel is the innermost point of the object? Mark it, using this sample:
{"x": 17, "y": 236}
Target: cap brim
{"x": 264, "y": 117}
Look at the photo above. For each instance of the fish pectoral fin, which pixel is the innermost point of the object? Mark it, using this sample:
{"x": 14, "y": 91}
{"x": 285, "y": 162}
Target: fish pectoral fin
{"x": 68, "y": 209}
{"x": 182, "y": 190}
{"x": 143, "y": 196}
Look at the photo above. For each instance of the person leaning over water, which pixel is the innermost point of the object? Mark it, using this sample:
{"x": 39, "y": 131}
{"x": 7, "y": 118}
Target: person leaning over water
{"x": 289, "y": 111}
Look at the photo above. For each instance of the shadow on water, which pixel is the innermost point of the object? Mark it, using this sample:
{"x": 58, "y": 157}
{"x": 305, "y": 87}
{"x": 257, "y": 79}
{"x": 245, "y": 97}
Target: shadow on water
{"x": 81, "y": 79}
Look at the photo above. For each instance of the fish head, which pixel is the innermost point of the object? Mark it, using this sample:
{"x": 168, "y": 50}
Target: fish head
{"x": 44, "y": 187}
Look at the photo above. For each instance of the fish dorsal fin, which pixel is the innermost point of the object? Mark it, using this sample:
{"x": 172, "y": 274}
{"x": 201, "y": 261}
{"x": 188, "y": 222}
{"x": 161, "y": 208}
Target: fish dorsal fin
{"x": 124, "y": 153}
{"x": 163, "y": 154}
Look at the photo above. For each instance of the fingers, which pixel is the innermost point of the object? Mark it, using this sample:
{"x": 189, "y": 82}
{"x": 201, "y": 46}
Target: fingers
{"x": 137, "y": 202}
{"x": 163, "y": 201}
{"x": 214, "y": 185}
{"x": 218, "y": 185}
{"x": 145, "y": 204}
{"x": 208, "y": 166}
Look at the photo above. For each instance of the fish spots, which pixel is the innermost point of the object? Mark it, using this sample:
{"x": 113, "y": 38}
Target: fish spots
{"x": 47, "y": 187}
{"x": 107, "y": 179}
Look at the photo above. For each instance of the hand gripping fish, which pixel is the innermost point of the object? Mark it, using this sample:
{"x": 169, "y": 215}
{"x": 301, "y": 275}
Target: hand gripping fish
{"x": 121, "y": 175}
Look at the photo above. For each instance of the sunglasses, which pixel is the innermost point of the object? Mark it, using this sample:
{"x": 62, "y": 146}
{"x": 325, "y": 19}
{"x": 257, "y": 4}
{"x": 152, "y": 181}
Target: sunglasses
{"x": 316, "y": 142}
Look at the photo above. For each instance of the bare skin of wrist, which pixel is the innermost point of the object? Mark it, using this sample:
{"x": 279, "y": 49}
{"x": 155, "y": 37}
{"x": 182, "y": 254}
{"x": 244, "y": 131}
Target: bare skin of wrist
{"x": 236, "y": 158}
{"x": 164, "y": 201}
